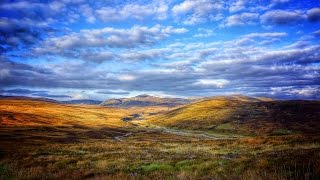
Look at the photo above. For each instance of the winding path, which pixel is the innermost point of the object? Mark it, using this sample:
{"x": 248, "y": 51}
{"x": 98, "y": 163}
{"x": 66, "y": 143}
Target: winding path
{"x": 151, "y": 127}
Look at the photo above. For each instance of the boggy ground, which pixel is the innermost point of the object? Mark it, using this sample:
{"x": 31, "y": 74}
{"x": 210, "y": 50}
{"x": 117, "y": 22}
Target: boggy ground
{"x": 112, "y": 148}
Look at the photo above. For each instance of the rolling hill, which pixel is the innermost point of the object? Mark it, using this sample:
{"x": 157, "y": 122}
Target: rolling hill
{"x": 244, "y": 115}
{"x": 144, "y": 101}
{"x": 41, "y": 139}
{"x": 20, "y": 111}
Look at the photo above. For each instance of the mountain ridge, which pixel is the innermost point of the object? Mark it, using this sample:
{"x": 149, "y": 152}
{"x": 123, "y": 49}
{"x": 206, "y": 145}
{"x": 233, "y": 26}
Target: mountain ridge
{"x": 144, "y": 100}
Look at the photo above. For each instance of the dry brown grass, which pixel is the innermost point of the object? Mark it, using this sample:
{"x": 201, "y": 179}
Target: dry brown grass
{"x": 43, "y": 140}
{"x": 33, "y": 112}
{"x": 244, "y": 116}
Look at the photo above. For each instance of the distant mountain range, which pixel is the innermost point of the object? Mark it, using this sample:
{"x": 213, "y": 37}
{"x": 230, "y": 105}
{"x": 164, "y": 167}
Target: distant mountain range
{"x": 28, "y": 98}
{"x": 139, "y": 101}
{"x": 145, "y": 100}
{"x": 83, "y": 101}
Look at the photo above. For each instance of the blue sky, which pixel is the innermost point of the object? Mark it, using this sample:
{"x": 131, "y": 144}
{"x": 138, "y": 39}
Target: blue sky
{"x": 77, "y": 49}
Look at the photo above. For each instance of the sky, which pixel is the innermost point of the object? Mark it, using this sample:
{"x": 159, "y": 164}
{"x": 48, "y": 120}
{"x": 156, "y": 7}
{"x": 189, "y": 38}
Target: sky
{"x": 83, "y": 49}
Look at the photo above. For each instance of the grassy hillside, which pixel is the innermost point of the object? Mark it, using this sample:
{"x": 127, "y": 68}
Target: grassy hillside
{"x": 48, "y": 140}
{"x": 24, "y": 112}
{"x": 244, "y": 115}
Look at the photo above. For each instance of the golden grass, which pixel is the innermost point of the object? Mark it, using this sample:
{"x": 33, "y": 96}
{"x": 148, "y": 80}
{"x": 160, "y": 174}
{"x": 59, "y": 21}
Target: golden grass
{"x": 197, "y": 115}
{"x": 244, "y": 116}
{"x": 154, "y": 155}
{"x": 34, "y": 112}
{"x": 45, "y": 140}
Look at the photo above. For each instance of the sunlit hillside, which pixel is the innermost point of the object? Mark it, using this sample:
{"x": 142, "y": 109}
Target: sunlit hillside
{"x": 219, "y": 138}
{"x": 26, "y": 112}
{"x": 244, "y": 115}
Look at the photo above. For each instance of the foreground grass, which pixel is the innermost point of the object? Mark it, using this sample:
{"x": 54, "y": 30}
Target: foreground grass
{"x": 156, "y": 155}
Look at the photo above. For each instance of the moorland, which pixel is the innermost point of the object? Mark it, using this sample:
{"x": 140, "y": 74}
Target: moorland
{"x": 233, "y": 137}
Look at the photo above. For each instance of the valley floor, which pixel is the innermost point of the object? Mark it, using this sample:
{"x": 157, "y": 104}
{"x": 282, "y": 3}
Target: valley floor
{"x": 138, "y": 150}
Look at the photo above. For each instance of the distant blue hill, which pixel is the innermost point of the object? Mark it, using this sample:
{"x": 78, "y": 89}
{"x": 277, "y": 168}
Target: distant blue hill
{"x": 83, "y": 101}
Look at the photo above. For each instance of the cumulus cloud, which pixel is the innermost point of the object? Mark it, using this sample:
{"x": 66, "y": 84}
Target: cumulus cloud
{"x": 16, "y": 34}
{"x": 251, "y": 70}
{"x": 313, "y": 14}
{"x": 112, "y": 37}
{"x": 79, "y": 95}
{"x": 65, "y": 37}
{"x": 219, "y": 83}
{"x": 241, "y": 19}
{"x": 27, "y": 23}
{"x": 135, "y": 11}
{"x": 281, "y": 17}
{"x": 307, "y": 55}
{"x": 98, "y": 57}
{"x": 4, "y": 73}
{"x": 143, "y": 55}
{"x": 88, "y": 12}
{"x": 127, "y": 77}
{"x": 266, "y": 35}
{"x": 308, "y": 92}
{"x": 70, "y": 45}
{"x": 195, "y": 12}
{"x": 238, "y": 5}
{"x": 203, "y": 32}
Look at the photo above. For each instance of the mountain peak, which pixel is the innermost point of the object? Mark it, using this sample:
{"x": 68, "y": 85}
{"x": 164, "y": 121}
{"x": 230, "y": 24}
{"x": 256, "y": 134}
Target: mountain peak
{"x": 145, "y": 100}
{"x": 144, "y": 95}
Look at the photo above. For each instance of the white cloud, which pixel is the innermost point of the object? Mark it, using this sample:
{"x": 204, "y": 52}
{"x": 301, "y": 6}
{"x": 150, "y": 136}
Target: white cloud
{"x": 203, "y": 32}
{"x": 87, "y": 11}
{"x": 305, "y": 92}
{"x": 4, "y": 73}
{"x": 106, "y": 37}
{"x": 241, "y": 19}
{"x": 98, "y": 57}
{"x": 219, "y": 83}
{"x": 198, "y": 11}
{"x": 143, "y": 55}
{"x": 127, "y": 77}
{"x": 238, "y": 5}
{"x": 281, "y": 17}
{"x": 266, "y": 35}
{"x": 157, "y": 9}
{"x": 78, "y": 95}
